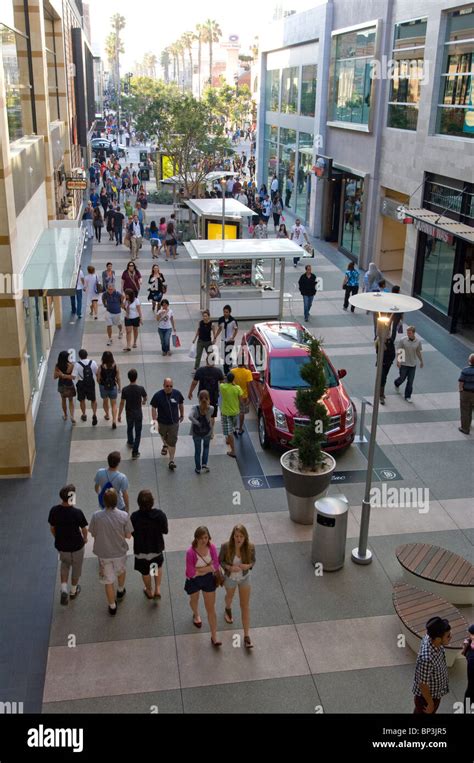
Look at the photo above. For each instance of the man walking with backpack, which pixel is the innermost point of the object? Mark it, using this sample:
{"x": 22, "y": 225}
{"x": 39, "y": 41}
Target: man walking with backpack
{"x": 112, "y": 478}
{"x": 85, "y": 372}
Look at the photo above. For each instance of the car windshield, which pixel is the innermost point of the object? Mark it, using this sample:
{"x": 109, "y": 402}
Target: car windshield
{"x": 285, "y": 372}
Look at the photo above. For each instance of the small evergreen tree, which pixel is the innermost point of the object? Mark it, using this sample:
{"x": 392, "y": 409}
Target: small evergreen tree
{"x": 308, "y": 439}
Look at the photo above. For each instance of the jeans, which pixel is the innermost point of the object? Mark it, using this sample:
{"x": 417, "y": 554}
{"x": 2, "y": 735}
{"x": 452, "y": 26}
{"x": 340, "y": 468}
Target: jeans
{"x": 408, "y": 373}
{"x": 200, "y": 347}
{"x": 165, "y": 336}
{"x": 118, "y": 235}
{"x": 349, "y": 291}
{"x": 98, "y": 232}
{"x": 76, "y": 303}
{"x": 307, "y": 302}
{"x": 385, "y": 370}
{"x": 205, "y": 450}
{"x": 134, "y": 421}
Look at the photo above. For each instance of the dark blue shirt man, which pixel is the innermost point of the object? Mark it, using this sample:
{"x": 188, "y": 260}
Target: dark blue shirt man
{"x": 167, "y": 410}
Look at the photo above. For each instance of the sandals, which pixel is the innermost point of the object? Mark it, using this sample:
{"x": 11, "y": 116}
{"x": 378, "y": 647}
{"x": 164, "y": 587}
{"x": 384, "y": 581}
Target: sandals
{"x": 215, "y": 643}
{"x": 164, "y": 451}
{"x": 247, "y": 642}
{"x": 147, "y": 594}
{"x": 228, "y": 616}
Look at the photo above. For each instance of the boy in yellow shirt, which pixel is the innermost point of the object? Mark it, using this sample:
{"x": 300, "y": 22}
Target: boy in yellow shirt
{"x": 242, "y": 376}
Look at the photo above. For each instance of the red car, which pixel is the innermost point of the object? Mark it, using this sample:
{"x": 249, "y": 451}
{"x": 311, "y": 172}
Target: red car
{"x": 276, "y": 351}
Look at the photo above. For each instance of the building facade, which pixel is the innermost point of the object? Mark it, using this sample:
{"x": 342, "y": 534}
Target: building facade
{"x": 387, "y": 173}
{"x": 44, "y": 123}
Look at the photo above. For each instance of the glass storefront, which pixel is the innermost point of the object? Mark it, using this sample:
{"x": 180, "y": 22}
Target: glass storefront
{"x": 272, "y": 90}
{"x": 35, "y": 314}
{"x": 350, "y": 80}
{"x": 456, "y": 106}
{"x": 305, "y": 164}
{"x": 270, "y": 158}
{"x": 14, "y": 61}
{"x": 289, "y": 90}
{"x": 408, "y": 74}
{"x": 287, "y": 158}
{"x": 308, "y": 90}
{"x": 437, "y": 271}
{"x": 352, "y": 210}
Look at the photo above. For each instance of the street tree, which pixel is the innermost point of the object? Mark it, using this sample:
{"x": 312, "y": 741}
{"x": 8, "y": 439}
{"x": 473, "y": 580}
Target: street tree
{"x": 211, "y": 34}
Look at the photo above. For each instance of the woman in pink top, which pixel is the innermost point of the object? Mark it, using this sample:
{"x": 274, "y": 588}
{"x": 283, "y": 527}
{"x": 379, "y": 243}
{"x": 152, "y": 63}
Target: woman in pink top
{"x": 201, "y": 562}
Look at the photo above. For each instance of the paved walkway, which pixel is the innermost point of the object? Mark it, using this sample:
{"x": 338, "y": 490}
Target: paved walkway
{"x": 328, "y": 641}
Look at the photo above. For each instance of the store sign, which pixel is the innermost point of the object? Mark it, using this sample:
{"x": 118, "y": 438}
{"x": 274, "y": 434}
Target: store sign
{"x": 393, "y": 209}
{"x": 433, "y": 231}
{"x": 323, "y": 167}
{"x": 76, "y": 184}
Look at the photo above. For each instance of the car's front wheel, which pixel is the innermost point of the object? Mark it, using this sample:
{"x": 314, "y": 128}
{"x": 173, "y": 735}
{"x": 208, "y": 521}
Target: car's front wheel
{"x": 262, "y": 432}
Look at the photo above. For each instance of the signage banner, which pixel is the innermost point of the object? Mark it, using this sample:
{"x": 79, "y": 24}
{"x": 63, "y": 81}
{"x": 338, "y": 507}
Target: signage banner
{"x": 167, "y": 167}
{"x": 323, "y": 167}
{"x": 76, "y": 184}
{"x": 394, "y": 209}
{"x": 433, "y": 231}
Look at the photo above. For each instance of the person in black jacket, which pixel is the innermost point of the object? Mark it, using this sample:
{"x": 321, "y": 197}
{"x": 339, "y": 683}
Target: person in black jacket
{"x": 307, "y": 287}
{"x": 149, "y": 526}
{"x": 388, "y": 358}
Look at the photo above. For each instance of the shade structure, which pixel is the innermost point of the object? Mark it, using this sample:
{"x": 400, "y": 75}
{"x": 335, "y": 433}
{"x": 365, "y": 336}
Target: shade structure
{"x": 54, "y": 265}
{"x": 213, "y": 208}
{"x": 385, "y": 302}
{"x": 243, "y": 248}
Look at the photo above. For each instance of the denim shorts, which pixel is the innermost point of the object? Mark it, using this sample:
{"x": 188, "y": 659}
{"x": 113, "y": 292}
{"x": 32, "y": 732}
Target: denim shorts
{"x": 231, "y": 584}
{"x": 111, "y": 394}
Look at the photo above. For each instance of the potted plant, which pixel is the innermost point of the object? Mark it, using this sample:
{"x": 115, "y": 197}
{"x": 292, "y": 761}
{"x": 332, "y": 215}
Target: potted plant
{"x": 307, "y": 470}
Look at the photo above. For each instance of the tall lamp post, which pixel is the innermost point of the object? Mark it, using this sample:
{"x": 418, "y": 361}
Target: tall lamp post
{"x": 385, "y": 304}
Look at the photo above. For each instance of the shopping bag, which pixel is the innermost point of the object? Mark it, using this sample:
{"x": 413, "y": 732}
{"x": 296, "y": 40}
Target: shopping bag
{"x": 175, "y": 340}
{"x": 192, "y": 352}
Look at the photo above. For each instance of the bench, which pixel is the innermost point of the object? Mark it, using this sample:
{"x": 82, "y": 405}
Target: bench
{"x": 437, "y": 570}
{"x": 415, "y": 607}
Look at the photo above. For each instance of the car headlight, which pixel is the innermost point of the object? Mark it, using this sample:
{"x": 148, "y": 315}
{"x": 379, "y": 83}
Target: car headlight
{"x": 280, "y": 419}
{"x": 350, "y": 415}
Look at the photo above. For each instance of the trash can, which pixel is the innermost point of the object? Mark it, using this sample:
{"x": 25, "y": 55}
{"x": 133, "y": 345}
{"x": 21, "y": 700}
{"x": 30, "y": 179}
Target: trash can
{"x": 330, "y": 532}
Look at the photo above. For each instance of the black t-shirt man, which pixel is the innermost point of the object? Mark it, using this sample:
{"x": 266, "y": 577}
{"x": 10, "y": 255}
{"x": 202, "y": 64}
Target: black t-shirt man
{"x": 209, "y": 378}
{"x": 118, "y": 220}
{"x": 67, "y": 520}
{"x": 134, "y": 395}
{"x": 167, "y": 406}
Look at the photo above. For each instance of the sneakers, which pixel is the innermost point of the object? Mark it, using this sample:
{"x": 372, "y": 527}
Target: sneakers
{"x": 109, "y": 343}
{"x": 198, "y": 471}
{"x": 94, "y": 420}
{"x": 205, "y": 468}
{"x": 408, "y": 400}
{"x": 136, "y": 455}
{"x": 172, "y": 466}
{"x": 75, "y": 595}
{"x": 83, "y": 417}
{"x": 460, "y": 429}
{"x": 382, "y": 400}
{"x": 121, "y": 594}
{"x": 397, "y": 387}
{"x": 113, "y": 610}
{"x": 120, "y": 334}
{"x": 64, "y": 597}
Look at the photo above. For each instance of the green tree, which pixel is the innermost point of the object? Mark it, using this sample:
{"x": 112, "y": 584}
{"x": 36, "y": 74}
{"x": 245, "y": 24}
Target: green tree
{"x": 309, "y": 439}
{"x": 211, "y": 33}
{"x": 229, "y": 104}
{"x": 198, "y": 36}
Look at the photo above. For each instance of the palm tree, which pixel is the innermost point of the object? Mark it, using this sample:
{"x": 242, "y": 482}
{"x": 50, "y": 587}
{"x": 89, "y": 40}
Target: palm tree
{"x": 198, "y": 37}
{"x": 153, "y": 62}
{"x": 118, "y": 23}
{"x": 211, "y": 33}
{"x": 165, "y": 63}
{"x": 188, "y": 39}
{"x": 173, "y": 49}
{"x": 181, "y": 50}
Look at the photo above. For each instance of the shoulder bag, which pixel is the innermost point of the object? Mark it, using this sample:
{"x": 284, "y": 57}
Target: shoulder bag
{"x": 218, "y": 574}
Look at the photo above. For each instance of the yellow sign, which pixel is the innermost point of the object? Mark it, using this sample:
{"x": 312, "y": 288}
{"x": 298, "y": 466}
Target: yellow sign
{"x": 214, "y": 231}
{"x": 167, "y": 167}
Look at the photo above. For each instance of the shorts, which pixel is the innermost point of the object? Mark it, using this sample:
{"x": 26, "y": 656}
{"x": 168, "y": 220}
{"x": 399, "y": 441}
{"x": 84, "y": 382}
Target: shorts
{"x": 110, "y": 569}
{"x": 244, "y": 405}
{"x": 72, "y": 559}
{"x": 113, "y": 319}
{"x": 67, "y": 391}
{"x": 143, "y": 565}
{"x": 229, "y": 423}
{"x": 169, "y": 433}
{"x": 85, "y": 393}
{"x": 231, "y": 584}
{"x": 110, "y": 394}
{"x": 155, "y": 242}
{"x": 205, "y": 583}
{"x": 135, "y": 322}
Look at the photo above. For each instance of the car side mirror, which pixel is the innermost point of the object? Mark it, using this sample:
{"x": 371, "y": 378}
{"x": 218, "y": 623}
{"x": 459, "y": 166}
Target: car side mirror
{"x": 341, "y": 373}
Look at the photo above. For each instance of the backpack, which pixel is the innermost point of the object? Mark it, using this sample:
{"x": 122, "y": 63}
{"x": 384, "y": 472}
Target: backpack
{"x": 108, "y": 377}
{"x": 107, "y": 486}
{"x": 88, "y": 376}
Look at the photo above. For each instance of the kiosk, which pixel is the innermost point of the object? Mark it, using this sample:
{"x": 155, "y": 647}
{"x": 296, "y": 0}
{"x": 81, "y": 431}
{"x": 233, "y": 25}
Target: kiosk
{"x": 232, "y": 272}
{"x": 213, "y": 213}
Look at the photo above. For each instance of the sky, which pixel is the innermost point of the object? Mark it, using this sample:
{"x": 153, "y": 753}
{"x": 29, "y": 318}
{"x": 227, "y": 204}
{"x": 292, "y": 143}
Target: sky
{"x": 155, "y": 25}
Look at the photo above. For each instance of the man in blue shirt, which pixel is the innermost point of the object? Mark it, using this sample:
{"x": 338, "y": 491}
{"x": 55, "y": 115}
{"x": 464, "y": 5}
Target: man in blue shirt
{"x": 167, "y": 412}
{"x": 95, "y": 199}
{"x": 466, "y": 395}
{"x": 112, "y": 301}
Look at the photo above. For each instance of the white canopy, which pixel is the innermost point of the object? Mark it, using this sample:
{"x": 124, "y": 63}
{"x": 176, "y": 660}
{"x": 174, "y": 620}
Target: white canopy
{"x": 242, "y": 248}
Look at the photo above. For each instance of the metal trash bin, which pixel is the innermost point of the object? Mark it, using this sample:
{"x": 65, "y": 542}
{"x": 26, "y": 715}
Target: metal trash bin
{"x": 330, "y": 532}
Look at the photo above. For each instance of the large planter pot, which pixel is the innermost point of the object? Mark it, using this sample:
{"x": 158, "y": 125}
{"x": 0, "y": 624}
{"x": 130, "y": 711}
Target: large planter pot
{"x": 304, "y": 488}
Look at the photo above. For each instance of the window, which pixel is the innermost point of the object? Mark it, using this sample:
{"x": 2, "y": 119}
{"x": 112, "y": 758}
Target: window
{"x": 272, "y": 90}
{"x": 352, "y": 214}
{"x": 303, "y": 177}
{"x": 287, "y": 156}
{"x": 455, "y": 107}
{"x": 14, "y": 59}
{"x": 308, "y": 90}
{"x": 438, "y": 268}
{"x": 289, "y": 90}
{"x": 270, "y": 158}
{"x": 407, "y": 74}
{"x": 350, "y": 81}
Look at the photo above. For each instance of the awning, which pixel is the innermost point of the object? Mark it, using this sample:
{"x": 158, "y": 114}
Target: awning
{"x": 211, "y": 177}
{"x": 213, "y": 208}
{"x": 243, "y": 249}
{"x": 437, "y": 226}
{"x": 54, "y": 265}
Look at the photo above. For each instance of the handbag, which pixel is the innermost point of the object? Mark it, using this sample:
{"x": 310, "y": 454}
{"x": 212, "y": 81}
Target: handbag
{"x": 175, "y": 340}
{"x": 98, "y": 287}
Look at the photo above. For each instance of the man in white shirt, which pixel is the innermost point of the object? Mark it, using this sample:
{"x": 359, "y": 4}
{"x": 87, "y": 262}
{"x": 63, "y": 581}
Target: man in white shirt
{"x": 135, "y": 237}
{"x": 229, "y": 188}
{"x": 261, "y": 230}
{"x": 267, "y": 208}
{"x": 274, "y": 186}
{"x": 299, "y": 236}
{"x": 76, "y": 300}
{"x": 242, "y": 197}
{"x": 85, "y": 372}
